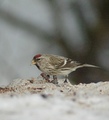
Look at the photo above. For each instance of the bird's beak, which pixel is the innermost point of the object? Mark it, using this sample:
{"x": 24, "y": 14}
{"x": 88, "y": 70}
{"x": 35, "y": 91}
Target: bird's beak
{"x": 33, "y": 62}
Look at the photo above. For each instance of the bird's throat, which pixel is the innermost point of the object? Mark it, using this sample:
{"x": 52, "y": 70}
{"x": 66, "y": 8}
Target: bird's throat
{"x": 37, "y": 66}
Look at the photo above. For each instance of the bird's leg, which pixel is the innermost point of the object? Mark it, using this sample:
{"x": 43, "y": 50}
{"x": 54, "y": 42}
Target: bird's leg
{"x": 46, "y": 77}
{"x": 54, "y": 79}
{"x": 66, "y": 77}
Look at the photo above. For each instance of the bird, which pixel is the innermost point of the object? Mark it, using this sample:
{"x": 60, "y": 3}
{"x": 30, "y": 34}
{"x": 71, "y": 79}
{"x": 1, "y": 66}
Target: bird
{"x": 54, "y": 65}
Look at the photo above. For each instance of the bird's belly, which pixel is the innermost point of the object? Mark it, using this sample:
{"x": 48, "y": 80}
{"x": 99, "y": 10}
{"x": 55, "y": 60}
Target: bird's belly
{"x": 65, "y": 72}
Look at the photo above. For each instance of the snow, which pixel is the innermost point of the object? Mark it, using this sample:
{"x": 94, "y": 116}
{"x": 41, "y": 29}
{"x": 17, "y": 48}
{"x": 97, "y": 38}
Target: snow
{"x": 57, "y": 108}
{"x": 83, "y": 101}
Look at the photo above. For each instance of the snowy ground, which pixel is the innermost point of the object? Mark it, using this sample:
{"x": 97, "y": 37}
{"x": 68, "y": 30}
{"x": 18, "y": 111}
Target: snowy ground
{"x": 33, "y": 100}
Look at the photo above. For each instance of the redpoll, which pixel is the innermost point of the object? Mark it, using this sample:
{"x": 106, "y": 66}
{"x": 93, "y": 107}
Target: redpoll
{"x": 56, "y": 65}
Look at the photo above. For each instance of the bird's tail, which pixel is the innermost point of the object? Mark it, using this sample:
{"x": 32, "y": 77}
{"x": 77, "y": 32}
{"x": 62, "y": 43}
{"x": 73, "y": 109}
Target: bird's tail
{"x": 86, "y": 65}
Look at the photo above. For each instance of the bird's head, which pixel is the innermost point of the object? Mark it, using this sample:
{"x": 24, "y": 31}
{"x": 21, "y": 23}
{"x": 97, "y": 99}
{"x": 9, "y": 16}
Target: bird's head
{"x": 36, "y": 59}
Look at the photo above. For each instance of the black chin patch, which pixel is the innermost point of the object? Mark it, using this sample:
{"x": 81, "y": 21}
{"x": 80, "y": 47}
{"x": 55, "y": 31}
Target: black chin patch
{"x": 38, "y": 66}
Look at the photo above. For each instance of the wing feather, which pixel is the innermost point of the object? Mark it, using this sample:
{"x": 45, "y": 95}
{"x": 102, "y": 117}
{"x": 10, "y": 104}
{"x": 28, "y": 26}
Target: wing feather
{"x": 60, "y": 62}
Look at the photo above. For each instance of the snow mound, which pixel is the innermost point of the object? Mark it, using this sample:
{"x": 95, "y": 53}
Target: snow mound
{"x": 36, "y": 99}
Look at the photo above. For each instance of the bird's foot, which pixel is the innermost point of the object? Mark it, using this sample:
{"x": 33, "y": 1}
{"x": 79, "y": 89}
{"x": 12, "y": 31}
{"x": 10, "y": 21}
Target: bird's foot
{"x": 66, "y": 79}
{"x": 54, "y": 81}
{"x": 46, "y": 77}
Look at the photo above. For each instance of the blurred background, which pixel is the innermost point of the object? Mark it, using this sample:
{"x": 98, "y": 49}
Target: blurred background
{"x": 78, "y": 29}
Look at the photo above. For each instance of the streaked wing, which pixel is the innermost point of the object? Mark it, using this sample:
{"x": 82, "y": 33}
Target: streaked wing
{"x": 56, "y": 61}
{"x": 70, "y": 64}
{"x": 62, "y": 62}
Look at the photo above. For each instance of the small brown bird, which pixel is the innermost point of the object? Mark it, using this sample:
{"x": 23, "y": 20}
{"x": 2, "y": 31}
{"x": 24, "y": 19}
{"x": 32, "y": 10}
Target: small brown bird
{"x": 56, "y": 65}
